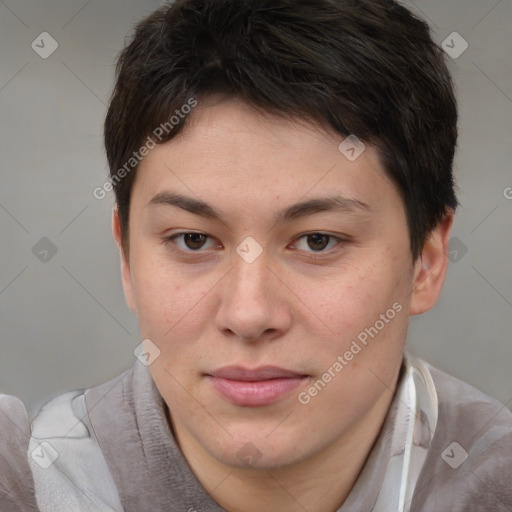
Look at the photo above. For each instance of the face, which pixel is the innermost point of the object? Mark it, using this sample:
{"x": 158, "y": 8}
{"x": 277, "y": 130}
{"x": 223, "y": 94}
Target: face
{"x": 255, "y": 244}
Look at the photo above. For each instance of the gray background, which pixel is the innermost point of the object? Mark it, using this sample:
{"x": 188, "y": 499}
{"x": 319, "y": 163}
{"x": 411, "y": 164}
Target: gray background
{"x": 64, "y": 323}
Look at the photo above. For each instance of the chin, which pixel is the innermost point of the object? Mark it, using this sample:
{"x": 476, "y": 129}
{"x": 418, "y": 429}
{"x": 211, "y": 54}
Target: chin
{"x": 252, "y": 449}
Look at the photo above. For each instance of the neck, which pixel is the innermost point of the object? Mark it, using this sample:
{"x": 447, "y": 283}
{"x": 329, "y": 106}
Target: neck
{"x": 321, "y": 483}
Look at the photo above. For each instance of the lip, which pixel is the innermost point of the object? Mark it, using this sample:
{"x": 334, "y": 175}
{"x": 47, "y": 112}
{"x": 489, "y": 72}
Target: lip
{"x": 254, "y": 387}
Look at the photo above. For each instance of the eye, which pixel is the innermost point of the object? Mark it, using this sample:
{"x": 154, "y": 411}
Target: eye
{"x": 311, "y": 242}
{"x": 191, "y": 242}
{"x": 317, "y": 242}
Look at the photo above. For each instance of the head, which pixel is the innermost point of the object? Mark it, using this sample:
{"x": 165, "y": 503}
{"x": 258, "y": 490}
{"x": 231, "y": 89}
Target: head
{"x": 250, "y": 236}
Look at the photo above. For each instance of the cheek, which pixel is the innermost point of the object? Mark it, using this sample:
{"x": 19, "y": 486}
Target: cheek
{"x": 159, "y": 292}
{"x": 172, "y": 306}
{"x": 362, "y": 313}
{"x": 350, "y": 300}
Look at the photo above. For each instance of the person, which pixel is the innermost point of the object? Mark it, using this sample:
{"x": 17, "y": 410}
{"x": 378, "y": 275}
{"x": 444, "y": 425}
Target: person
{"x": 284, "y": 199}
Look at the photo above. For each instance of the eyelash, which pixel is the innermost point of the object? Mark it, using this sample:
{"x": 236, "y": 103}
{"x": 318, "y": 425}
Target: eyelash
{"x": 313, "y": 255}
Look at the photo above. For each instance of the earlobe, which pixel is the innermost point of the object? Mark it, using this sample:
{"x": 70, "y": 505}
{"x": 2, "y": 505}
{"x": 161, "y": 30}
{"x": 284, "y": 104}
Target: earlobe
{"x": 431, "y": 267}
{"x": 125, "y": 265}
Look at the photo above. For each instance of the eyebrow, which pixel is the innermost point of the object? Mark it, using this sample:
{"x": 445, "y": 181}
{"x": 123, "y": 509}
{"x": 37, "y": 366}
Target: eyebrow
{"x": 298, "y": 210}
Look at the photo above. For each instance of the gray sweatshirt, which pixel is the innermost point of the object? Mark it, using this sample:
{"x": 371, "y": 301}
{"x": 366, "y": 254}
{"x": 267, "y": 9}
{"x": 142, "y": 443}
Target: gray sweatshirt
{"x": 114, "y": 451}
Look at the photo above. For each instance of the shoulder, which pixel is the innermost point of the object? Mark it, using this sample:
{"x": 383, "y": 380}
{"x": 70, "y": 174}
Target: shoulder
{"x": 67, "y": 464}
{"x": 13, "y": 418}
{"x": 469, "y": 414}
{"x": 470, "y": 460}
{"x": 16, "y": 483}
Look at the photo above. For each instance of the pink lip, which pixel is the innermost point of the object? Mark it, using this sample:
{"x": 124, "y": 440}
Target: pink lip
{"x": 261, "y": 386}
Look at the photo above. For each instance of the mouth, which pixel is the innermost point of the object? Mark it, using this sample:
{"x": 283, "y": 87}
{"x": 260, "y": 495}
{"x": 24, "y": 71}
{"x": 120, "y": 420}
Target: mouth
{"x": 257, "y": 387}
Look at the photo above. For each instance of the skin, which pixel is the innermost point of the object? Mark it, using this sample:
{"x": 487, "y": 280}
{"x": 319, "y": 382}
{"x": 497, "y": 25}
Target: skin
{"x": 210, "y": 308}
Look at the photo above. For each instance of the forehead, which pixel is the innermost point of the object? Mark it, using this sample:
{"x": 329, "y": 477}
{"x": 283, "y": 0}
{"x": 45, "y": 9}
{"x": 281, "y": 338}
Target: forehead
{"x": 235, "y": 155}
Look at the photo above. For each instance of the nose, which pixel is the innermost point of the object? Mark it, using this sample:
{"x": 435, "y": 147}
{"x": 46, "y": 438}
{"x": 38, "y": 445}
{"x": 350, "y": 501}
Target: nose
{"x": 253, "y": 303}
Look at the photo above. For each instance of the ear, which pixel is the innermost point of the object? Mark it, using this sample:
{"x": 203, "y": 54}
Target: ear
{"x": 125, "y": 265}
{"x": 431, "y": 266}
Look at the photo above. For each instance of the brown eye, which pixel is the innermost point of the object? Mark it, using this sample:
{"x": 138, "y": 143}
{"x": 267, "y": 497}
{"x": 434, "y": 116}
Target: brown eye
{"x": 318, "y": 241}
{"x": 190, "y": 242}
{"x": 194, "y": 240}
